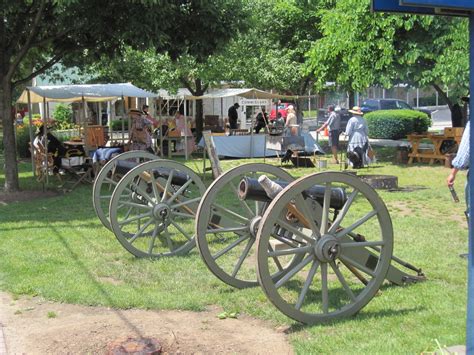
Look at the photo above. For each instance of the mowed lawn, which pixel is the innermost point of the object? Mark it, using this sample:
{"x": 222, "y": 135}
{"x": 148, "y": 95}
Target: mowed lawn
{"x": 56, "y": 248}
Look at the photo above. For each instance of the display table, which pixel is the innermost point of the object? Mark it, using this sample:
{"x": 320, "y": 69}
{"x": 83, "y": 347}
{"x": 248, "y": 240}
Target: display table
{"x": 253, "y": 146}
{"x": 432, "y": 154}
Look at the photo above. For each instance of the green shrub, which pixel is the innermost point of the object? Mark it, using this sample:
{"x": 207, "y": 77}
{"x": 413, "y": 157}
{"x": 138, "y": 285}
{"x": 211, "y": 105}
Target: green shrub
{"x": 22, "y": 141}
{"x": 62, "y": 114}
{"x": 396, "y": 124}
{"x": 117, "y": 125}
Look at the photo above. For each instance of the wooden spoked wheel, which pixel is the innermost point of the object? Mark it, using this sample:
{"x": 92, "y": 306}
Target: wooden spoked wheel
{"x": 329, "y": 282}
{"x": 108, "y": 178}
{"x": 226, "y": 226}
{"x": 153, "y": 208}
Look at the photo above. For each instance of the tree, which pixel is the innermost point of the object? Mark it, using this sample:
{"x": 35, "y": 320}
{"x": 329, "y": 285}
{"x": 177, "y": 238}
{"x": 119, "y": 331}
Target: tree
{"x": 359, "y": 49}
{"x": 36, "y": 34}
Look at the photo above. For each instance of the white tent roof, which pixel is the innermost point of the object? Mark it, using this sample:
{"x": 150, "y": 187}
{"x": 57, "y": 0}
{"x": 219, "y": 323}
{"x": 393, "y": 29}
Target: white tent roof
{"x": 90, "y": 92}
{"x": 182, "y": 93}
{"x": 247, "y": 93}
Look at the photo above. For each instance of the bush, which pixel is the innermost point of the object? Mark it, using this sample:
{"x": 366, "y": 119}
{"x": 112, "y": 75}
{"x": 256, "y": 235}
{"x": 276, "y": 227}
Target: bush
{"x": 396, "y": 124}
{"x": 22, "y": 141}
{"x": 117, "y": 125}
{"x": 62, "y": 114}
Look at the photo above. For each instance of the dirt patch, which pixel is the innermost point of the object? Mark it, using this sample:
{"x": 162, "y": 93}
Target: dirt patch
{"x": 33, "y": 326}
{"x": 7, "y": 198}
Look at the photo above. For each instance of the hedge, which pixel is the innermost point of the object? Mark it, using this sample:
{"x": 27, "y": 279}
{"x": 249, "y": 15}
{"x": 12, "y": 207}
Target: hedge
{"x": 396, "y": 124}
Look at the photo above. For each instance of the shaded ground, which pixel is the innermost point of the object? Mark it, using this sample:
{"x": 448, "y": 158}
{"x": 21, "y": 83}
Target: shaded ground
{"x": 34, "y": 326}
{"x": 7, "y": 198}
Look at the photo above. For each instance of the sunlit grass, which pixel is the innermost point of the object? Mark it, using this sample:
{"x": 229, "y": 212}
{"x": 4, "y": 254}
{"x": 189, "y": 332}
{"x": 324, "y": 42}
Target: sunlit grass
{"x": 56, "y": 248}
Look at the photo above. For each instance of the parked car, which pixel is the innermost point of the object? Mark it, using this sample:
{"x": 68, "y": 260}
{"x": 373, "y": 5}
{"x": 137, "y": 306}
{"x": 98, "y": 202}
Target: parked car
{"x": 370, "y": 105}
{"x": 281, "y": 110}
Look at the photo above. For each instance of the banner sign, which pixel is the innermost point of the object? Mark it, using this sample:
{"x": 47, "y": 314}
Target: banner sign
{"x": 254, "y": 102}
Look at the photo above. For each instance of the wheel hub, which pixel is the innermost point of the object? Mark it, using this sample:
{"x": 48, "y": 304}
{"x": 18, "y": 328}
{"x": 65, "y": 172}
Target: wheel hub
{"x": 327, "y": 249}
{"x": 254, "y": 224}
{"x": 161, "y": 211}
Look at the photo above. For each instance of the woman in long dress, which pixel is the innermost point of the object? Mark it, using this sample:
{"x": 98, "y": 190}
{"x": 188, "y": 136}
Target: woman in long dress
{"x": 358, "y": 145}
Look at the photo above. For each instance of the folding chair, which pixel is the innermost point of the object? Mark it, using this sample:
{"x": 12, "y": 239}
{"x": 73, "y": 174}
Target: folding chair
{"x": 79, "y": 171}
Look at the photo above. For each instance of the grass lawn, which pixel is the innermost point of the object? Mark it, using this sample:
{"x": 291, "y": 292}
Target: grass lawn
{"x": 57, "y": 248}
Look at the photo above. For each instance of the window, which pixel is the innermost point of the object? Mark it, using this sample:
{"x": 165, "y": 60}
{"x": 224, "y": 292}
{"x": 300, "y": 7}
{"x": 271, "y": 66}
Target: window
{"x": 403, "y": 105}
{"x": 370, "y": 104}
{"x": 388, "y": 105}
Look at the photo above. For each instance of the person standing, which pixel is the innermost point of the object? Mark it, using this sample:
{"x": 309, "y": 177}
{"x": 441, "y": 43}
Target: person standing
{"x": 358, "y": 133}
{"x": 261, "y": 120}
{"x": 334, "y": 126}
{"x": 233, "y": 115}
{"x": 140, "y": 137}
{"x": 291, "y": 123}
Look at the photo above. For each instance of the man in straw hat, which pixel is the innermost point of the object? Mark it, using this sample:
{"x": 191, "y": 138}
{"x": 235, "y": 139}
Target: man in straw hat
{"x": 358, "y": 133}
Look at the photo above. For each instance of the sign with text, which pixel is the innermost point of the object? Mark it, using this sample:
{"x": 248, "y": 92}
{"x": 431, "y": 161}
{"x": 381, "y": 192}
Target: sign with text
{"x": 254, "y": 102}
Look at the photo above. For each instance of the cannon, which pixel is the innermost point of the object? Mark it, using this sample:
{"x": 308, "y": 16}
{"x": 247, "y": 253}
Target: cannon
{"x": 320, "y": 246}
{"x": 152, "y": 207}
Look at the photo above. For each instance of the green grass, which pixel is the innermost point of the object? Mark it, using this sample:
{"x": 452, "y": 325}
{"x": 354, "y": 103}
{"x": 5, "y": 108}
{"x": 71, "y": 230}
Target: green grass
{"x": 56, "y": 248}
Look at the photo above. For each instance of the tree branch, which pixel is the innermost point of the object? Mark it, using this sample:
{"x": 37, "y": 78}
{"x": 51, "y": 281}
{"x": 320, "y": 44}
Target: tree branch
{"x": 26, "y": 47}
{"x": 443, "y": 95}
{"x": 45, "y": 67}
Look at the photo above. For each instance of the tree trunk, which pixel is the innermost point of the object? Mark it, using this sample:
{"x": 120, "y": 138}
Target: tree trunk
{"x": 456, "y": 111}
{"x": 351, "y": 99}
{"x": 9, "y": 146}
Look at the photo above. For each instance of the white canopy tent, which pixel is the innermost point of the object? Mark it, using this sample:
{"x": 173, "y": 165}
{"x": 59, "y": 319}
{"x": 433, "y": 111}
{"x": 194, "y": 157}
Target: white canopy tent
{"x": 78, "y": 93}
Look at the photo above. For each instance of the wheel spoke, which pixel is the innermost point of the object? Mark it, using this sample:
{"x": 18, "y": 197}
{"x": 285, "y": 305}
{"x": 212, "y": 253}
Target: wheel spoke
{"x": 226, "y": 230}
{"x": 301, "y": 204}
{"x": 154, "y": 185}
{"x": 142, "y": 192}
{"x": 357, "y": 265}
{"x": 151, "y": 245}
{"x": 294, "y": 230}
{"x": 183, "y": 232}
{"x": 290, "y": 251}
{"x": 184, "y": 215}
{"x": 243, "y": 256}
{"x": 230, "y": 246}
{"x": 134, "y": 218}
{"x": 326, "y": 205}
{"x": 361, "y": 244}
{"x": 242, "y": 202}
{"x": 343, "y": 211}
{"x": 294, "y": 271}
{"x": 275, "y": 259}
{"x": 307, "y": 284}
{"x": 169, "y": 242}
{"x": 140, "y": 231}
{"x": 167, "y": 186}
{"x": 356, "y": 224}
{"x": 105, "y": 197}
{"x": 343, "y": 281}
{"x": 187, "y": 202}
{"x": 110, "y": 181}
{"x": 324, "y": 286}
{"x": 136, "y": 205}
{"x": 230, "y": 213}
{"x": 179, "y": 191}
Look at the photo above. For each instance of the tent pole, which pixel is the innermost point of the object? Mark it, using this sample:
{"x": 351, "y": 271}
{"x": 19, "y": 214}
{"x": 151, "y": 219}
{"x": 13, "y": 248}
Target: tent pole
{"x": 185, "y": 132}
{"x": 30, "y": 129}
{"x": 84, "y": 108}
{"x": 123, "y": 121}
{"x": 45, "y": 140}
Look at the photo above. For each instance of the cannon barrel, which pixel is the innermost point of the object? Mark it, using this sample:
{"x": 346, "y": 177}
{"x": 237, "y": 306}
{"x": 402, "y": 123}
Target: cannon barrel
{"x": 179, "y": 178}
{"x": 252, "y": 189}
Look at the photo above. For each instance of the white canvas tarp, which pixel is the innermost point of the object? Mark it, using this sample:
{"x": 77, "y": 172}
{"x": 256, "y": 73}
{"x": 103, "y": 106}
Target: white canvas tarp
{"x": 246, "y": 93}
{"x": 88, "y": 92}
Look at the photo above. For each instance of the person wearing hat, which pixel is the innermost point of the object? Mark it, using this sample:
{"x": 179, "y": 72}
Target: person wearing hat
{"x": 139, "y": 137}
{"x": 334, "y": 125}
{"x": 358, "y": 133}
{"x": 55, "y": 147}
{"x": 233, "y": 115}
{"x": 291, "y": 123}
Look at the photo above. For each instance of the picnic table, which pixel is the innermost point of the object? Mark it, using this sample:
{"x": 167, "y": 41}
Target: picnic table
{"x": 432, "y": 154}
